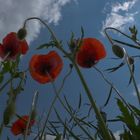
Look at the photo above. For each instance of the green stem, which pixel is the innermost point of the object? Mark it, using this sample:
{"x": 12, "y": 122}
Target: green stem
{"x": 103, "y": 126}
{"x": 111, "y": 28}
{"x": 133, "y": 78}
{"x": 34, "y": 102}
{"x": 116, "y": 90}
{"x": 127, "y": 44}
{"x": 54, "y": 100}
{"x": 57, "y": 96}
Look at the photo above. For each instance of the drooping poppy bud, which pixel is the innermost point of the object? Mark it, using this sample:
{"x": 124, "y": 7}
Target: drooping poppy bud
{"x": 90, "y": 52}
{"x": 131, "y": 60}
{"x": 118, "y": 51}
{"x": 45, "y": 68}
{"x": 21, "y": 34}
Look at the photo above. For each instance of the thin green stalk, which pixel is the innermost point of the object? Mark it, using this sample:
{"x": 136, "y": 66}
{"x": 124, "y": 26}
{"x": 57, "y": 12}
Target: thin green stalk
{"x": 54, "y": 100}
{"x": 6, "y": 56}
{"x": 104, "y": 129}
{"x": 72, "y": 134}
{"x": 58, "y": 45}
{"x": 127, "y": 44}
{"x": 103, "y": 126}
{"x": 34, "y": 102}
{"x": 116, "y": 90}
{"x": 132, "y": 74}
{"x": 57, "y": 96}
{"x": 126, "y": 55}
{"x": 111, "y": 28}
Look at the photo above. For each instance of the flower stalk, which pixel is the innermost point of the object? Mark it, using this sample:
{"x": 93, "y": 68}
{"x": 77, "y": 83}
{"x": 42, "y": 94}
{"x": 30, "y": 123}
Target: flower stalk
{"x": 103, "y": 127}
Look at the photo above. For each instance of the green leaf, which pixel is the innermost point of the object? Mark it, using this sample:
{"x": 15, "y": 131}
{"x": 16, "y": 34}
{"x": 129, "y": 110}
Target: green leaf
{"x": 6, "y": 66}
{"x": 134, "y": 32}
{"x": 80, "y": 101}
{"x": 115, "y": 68}
{"x": 108, "y": 98}
{"x": 46, "y": 45}
{"x": 58, "y": 137}
{"x": 1, "y": 77}
{"x": 126, "y": 135}
{"x": 126, "y": 117}
{"x": 136, "y": 110}
{"x": 68, "y": 105}
{"x": 67, "y": 128}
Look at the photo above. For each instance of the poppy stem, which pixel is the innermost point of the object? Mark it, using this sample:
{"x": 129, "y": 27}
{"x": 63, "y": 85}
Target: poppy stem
{"x": 117, "y": 30}
{"x": 34, "y": 102}
{"x": 6, "y": 56}
{"x": 127, "y": 44}
{"x": 116, "y": 90}
{"x": 126, "y": 57}
{"x": 57, "y": 92}
{"x": 58, "y": 44}
{"x": 105, "y": 132}
{"x": 104, "y": 129}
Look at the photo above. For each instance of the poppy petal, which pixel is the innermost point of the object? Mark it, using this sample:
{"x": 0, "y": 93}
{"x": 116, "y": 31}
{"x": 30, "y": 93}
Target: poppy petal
{"x": 23, "y": 46}
{"x": 44, "y": 68}
{"x": 13, "y": 46}
{"x": 16, "y": 130}
{"x": 90, "y": 52}
{"x": 19, "y": 126}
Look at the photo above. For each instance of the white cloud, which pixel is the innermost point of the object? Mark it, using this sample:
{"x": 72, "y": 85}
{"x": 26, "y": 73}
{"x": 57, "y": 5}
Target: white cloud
{"x": 14, "y": 12}
{"x": 50, "y": 137}
{"x": 120, "y": 15}
{"x": 117, "y": 135}
{"x": 134, "y": 91}
{"x": 124, "y": 6}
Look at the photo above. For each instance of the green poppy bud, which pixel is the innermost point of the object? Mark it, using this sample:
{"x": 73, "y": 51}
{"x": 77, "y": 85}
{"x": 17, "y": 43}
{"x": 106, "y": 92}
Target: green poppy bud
{"x": 131, "y": 60}
{"x": 8, "y": 113}
{"x": 118, "y": 51}
{"x": 21, "y": 34}
{"x": 33, "y": 114}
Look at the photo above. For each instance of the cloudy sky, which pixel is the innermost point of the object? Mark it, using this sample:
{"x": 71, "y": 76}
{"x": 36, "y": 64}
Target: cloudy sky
{"x": 65, "y": 16}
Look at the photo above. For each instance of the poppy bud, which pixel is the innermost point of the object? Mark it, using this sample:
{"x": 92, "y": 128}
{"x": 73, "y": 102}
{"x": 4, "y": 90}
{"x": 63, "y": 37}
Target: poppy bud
{"x": 118, "y": 51}
{"x": 33, "y": 114}
{"x": 21, "y": 34}
{"x": 130, "y": 60}
{"x": 8, "y": 113}
{"x": 73, "y": 44}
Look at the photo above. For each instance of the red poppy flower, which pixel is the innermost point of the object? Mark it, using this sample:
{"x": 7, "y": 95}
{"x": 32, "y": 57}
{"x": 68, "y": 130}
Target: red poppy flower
{"x": 12, "y": 46}
{"x": 90, "y": 52}
{"x": 44, "y": 68}
{"x": 19, "y": 126}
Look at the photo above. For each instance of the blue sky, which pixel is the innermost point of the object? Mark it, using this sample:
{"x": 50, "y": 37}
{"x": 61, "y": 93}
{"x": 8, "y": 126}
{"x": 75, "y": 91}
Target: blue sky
{"x": 66, "y": 16}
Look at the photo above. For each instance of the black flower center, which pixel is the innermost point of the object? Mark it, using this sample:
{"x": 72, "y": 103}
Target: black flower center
{"x": 44, "y": 69}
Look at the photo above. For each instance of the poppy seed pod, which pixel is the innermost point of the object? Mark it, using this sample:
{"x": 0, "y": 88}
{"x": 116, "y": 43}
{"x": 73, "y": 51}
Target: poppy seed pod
{"x": 21, "y": 34}
{"x": 118, "y": 51}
